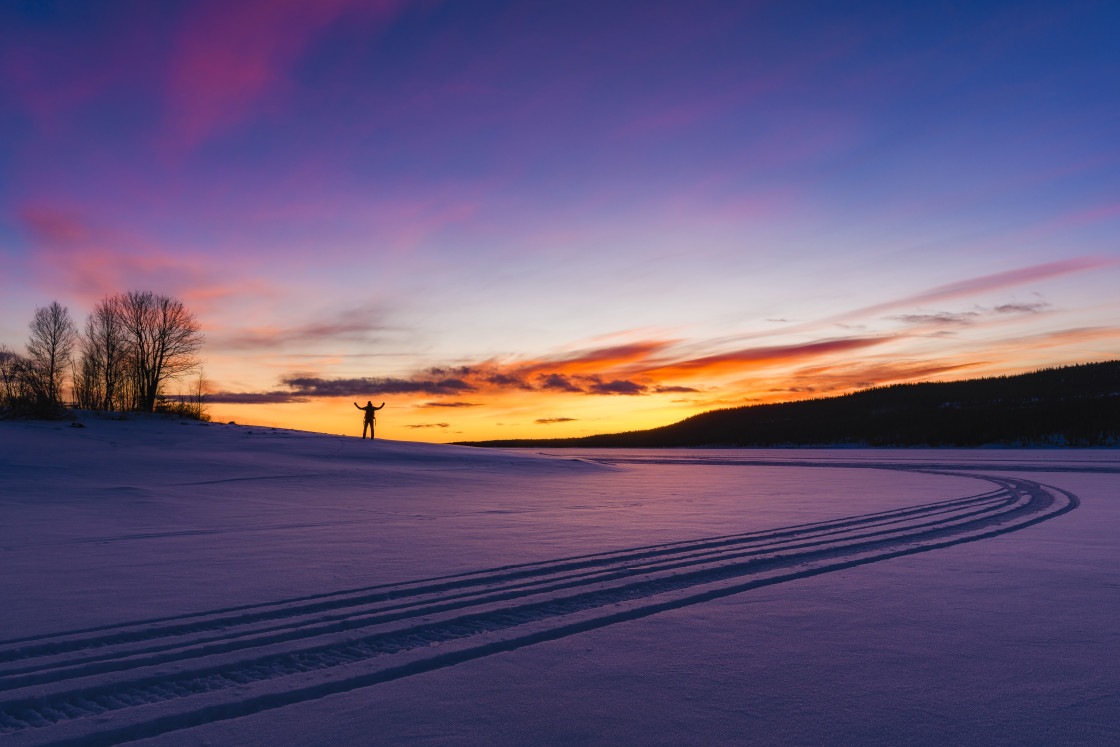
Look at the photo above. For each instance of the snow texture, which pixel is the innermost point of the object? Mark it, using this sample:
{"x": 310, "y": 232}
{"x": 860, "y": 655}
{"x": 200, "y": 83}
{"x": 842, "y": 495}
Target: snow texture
{"x": 182, "y": 583}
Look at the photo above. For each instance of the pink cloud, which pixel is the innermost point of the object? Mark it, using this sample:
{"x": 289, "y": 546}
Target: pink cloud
{"x": 56, "y": 228}
{"x": 1084, "y": 217}
{"x": 353, "y": 325}
{"x": 593, "y": 360}
{"x": 227, "y": 56}
{"x": 90, "y": 261}
{"x": 861, "y": 374}
{"x": 986, "y": 283}
{"x": 766, "y": 356}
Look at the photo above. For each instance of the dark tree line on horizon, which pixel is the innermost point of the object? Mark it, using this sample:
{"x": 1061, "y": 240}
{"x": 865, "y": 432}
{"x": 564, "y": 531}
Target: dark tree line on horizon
{"x": 132, "y": 346}
{"x": 1068, "y": 406}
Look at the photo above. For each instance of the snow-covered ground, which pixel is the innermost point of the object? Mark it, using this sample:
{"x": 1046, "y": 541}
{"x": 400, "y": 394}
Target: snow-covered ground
{"x": 188, "y": 583}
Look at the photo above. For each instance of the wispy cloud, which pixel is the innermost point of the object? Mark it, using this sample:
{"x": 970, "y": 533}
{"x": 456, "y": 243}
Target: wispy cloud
{"x": 352, "y": 325}
{"x": 226, "y": 58}
{"x": 939, "y": 318}
{"x": 449, "y": 404}
{"x": 768, "y": 355}
{"x": 556, "y": 382}
{"x": 550, "y": 421}
{"x": 254, "y": 398}
{"x": 616, "y": 386}
{"x": 1062, "y": 337}
{"x": 598, "y": 359}
{"x": 313, "y": 386}
{"x": 961, "y": 318}
{"x": 89, "y": 260}
{"x": 857, "y": 374}
{"x": 986, "y": 283}
{"x": 1022, "y": 308}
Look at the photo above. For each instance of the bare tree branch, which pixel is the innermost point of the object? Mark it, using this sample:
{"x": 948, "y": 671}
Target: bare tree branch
{"x": 164, "y": 338}
{"x": 49, "y": 350}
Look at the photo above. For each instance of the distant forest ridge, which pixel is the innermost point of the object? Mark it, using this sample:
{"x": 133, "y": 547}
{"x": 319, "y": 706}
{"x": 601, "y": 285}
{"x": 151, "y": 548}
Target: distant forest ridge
{"x": 1068, "y": 406}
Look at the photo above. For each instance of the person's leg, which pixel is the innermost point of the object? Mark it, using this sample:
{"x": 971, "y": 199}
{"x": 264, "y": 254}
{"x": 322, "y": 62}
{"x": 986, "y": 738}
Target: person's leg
{"x": 364, "y": 426}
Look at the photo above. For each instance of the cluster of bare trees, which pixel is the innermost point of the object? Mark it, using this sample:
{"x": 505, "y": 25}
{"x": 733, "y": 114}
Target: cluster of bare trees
{"x": 132, "y": 346}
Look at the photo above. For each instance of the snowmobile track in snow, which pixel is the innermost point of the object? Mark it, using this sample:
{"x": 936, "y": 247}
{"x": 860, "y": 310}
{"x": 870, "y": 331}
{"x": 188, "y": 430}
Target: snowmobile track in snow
{"x": 121, "y": 682}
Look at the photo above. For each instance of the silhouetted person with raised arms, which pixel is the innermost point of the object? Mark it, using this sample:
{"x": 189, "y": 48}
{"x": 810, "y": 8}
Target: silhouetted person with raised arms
{"x": 369, "y": 409}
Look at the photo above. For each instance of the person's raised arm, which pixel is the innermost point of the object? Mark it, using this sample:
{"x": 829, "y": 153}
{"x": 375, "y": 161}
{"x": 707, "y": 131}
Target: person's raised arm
{"x": 378, "y": 408}
{"x": 356, "y": 405}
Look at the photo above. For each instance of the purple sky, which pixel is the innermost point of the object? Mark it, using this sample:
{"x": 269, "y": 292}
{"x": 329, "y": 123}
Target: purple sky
{"x": 569, "y": 217}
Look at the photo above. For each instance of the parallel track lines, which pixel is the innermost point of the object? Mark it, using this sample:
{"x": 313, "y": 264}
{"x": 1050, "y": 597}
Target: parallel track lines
{"x": 517, "y": 575}
{"x": 149, "y": 677}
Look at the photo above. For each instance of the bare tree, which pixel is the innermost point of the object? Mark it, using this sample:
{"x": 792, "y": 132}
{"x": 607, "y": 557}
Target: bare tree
{"x": 7, "y": 376}
{"x": 194, "y": 401}
{"x": 190, "y": 401}
{"x": 163, "y": 338}
{"x": 99, "y": 380}
{"x": 14, "y": 386}
{"x": 49, "y": 351}
{"x": 87, "y": 380}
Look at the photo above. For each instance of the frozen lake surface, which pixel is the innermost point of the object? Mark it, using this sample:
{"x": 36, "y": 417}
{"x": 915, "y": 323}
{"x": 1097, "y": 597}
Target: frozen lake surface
{"x": 184, "y": 583}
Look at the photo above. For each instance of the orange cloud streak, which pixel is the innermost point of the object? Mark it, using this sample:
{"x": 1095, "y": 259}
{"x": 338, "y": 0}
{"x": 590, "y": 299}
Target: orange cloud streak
{"x": 764, "y": 356}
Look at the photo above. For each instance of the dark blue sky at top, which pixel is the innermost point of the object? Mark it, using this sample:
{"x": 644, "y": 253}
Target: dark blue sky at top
{"x": 571, "y": 92}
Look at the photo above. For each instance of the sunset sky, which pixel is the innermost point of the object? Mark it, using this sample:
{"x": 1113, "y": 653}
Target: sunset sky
{"x": 538, "y": 219}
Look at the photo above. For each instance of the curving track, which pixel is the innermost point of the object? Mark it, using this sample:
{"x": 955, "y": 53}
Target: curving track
{"x": 139, "y": 679}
